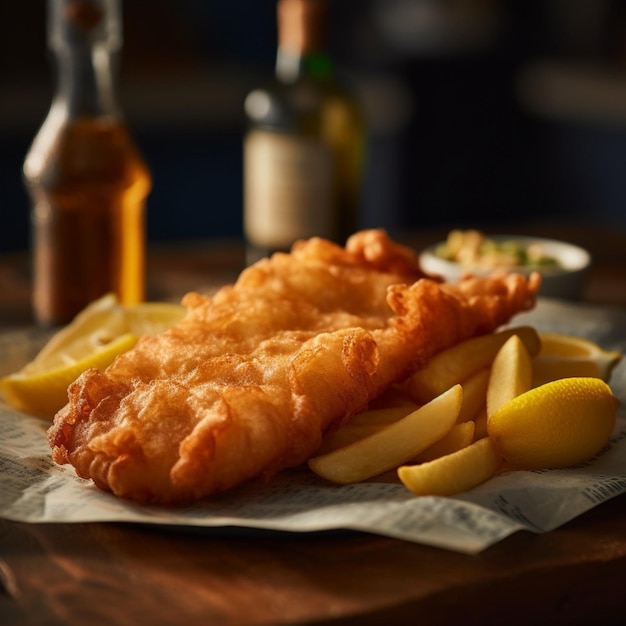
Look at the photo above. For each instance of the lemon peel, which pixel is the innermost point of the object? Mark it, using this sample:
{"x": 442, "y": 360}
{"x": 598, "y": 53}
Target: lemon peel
{"x": 566, "y": 356}
{"x": 98, "y": 324}
{"x": 101, "y": 331}
{"x": 44, "y": 392}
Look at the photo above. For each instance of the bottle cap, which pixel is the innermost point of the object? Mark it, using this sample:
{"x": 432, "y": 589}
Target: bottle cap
{"x": 84, "y": 22}
{"x": 301, "y": 25}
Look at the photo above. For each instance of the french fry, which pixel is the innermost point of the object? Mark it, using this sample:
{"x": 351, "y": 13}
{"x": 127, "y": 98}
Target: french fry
{"x": 459, "y": 362}
{"x": 443, "y": 447}
{"x": 380, "y": 417}
{"x": 393, "y": 445}
{"x": 363, "y": 425}
{"x": 511, "y": 374}
{"x": 347, "y": 435}
{"x": 474, "y": 395}
{"x": 454, "y": 472}
{"x": 392, "y": 397}
{"x": 459, "y": 436}
{"x": 480, "y": 424}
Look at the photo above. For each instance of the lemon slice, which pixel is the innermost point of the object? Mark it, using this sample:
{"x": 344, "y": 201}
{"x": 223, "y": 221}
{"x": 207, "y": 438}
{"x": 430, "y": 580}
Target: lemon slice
{"x": 94, "y": 338}
{"x": 98, "y": 324}
{"x": 559, "y": 424}
{"x": 43, "y": 392}
{"x": 565, "y": 356}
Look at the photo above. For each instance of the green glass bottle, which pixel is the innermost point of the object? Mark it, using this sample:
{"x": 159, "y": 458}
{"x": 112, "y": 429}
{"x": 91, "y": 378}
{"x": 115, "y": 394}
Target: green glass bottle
{"x": 303, "y": 149}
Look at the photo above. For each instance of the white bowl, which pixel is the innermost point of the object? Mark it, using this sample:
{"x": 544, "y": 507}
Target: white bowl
{"x": 565, "y": 281}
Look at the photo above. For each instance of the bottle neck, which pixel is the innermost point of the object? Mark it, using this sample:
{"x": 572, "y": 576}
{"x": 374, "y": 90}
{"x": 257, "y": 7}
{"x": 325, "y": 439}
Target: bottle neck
{"x": 85, "y": 82}
{"x": 300, "y": 40}
{"x": 84, "y": 36}
{"x": 291, "y": 66}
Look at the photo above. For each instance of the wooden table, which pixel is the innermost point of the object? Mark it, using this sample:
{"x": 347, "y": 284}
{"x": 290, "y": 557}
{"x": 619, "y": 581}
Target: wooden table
{"x": 62, "y": 574}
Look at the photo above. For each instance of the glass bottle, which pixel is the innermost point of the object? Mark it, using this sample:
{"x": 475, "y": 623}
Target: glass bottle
{"x": 84, "y": 174}
{"x": 303, "y": 146}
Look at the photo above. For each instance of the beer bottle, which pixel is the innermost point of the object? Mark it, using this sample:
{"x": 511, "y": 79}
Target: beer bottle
{"x": 84, "y": 174}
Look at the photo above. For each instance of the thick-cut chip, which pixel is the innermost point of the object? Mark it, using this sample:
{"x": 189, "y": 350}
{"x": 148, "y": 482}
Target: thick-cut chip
{"x": 394, "y": 445}
{"x": 395, "y": 396}
{"x": 474, "y": 395}
{"x": 347, "y": 435}
{"x": 382, "y": 416}
{"x": 511, "y": 374}
{"x": 459, "y": 436}
{"x": 459, "y": 362}
{"x": 363, "y": 425}
{"x": 480, "y": 424}
{"x": 453, "y": 473}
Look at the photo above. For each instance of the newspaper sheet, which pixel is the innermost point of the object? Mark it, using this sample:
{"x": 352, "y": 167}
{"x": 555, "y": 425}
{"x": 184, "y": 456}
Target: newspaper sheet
{"x": 34, "y": 489}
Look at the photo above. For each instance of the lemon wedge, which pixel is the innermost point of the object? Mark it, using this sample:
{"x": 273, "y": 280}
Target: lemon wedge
{"x": 43, "y": 392}
{"x": 561, "y": 423}
{"x": 94, "y": 338}
{"x": 100, "y": 323}
{"x": 565, "y": 356}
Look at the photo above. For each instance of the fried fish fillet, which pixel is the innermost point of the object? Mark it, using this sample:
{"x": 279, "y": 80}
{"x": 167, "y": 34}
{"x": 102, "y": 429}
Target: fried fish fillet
{"x": 248, "y": 382}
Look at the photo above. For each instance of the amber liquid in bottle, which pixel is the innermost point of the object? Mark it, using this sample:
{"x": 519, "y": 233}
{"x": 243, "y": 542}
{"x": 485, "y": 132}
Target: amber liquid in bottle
{"x": 88, "y": 185}
{"x": 303, "y": 149}
{"x": 88, "y": 219}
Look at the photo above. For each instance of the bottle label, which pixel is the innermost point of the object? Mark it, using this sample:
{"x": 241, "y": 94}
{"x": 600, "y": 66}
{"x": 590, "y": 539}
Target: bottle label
{"x": 288, "y": 189}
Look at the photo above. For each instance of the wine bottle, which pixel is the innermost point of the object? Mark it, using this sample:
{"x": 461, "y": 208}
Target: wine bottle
{"x": 303, "y": 149}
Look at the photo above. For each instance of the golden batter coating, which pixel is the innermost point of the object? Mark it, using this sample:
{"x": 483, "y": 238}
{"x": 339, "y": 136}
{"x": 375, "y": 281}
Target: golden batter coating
{"x": 248, "y": 382}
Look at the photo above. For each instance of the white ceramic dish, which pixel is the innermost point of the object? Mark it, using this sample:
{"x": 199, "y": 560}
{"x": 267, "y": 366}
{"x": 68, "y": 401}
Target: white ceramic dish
{"x": 565, "y": 281}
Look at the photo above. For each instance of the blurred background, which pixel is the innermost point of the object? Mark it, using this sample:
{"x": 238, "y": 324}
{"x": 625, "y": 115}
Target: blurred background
{"x": 478, "y": 111}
